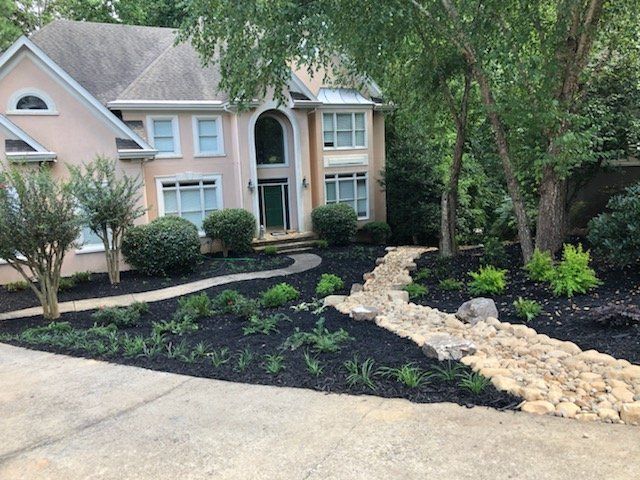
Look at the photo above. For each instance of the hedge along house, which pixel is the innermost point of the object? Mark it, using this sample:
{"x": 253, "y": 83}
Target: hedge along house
{"x": 75, "y": 90}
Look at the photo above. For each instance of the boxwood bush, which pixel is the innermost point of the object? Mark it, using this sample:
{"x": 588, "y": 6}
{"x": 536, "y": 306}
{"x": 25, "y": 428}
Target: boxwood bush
{"x": 337, "y": 223}
{"x": 379, "y": 232}
{"x": 234, "y": 227}
{"x": 166, "y": 245}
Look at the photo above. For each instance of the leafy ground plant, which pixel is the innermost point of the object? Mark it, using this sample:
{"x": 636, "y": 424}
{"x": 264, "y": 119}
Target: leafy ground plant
{"x": 219, "y": 357}
{"x": 422, "y": 275}
{"x": 313, "y": 364}
{"x": 449, "y": 372}
{"x": 196, "y": 306}
{"x": 176, "y": 327}
{"x": 488, "y": 280}
{"x": 273, "y": 364}
{"x": 573, "y": 274}
{"x": 408, "y": 374}
{"x": 527, "y": 309}
{"x": 278, "y": 295}
{"x": 474, "y": 382}
{"x": 316, "y": 307}
{"x": 540, "y": 267}
{"x": 416, "y": 290}
{"x": 264, "y": 325}
{"x": 244, "y": 358}
{"x": 450, "y": 284}
{"x": 329, "y": 284}
{"x": 319, "y": 339}
{"x": 361, "y": 373}
{"x": 119, "y": 316}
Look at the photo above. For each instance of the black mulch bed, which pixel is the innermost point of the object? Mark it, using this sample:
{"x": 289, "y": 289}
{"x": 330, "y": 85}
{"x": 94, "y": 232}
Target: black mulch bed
{"x": 562, "y": 318}
{"x": 368, "y": 341}
{"x": 135, "y": 282}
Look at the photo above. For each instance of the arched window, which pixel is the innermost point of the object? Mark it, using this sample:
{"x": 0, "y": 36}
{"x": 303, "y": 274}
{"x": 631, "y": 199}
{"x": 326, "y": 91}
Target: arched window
{"x": 270, "y": 142}
{"x": 31, "y": 102}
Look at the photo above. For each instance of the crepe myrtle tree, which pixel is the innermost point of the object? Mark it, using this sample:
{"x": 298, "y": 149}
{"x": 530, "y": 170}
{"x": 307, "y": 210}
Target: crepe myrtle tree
{"x": 39, "y": 223}
{"x": 109, "y": 203}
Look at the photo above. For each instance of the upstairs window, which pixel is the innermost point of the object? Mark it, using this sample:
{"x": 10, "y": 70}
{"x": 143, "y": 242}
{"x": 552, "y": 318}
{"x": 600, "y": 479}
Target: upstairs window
{"x": 270, "y": 142}
{"x": 164, "y": 134}
{"x": 344, "y": 130}
{"x": 207, "y": 136}
{"x": 31, "y": 102}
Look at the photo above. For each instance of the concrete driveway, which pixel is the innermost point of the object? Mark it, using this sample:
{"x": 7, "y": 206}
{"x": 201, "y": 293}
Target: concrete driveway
{"x": 70, "y": 418}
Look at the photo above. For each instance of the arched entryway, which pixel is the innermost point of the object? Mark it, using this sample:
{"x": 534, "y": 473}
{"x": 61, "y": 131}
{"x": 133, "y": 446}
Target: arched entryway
{"x": 275, "y": 172}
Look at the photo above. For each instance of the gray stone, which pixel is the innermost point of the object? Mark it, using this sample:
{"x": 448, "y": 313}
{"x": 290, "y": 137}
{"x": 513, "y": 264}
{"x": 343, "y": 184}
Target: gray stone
{"x": 356, "y": 288}
{"x": 443, "y": 346}
{"x": 362, "y": 313}
{"x": 333, "y": 300}
{"x": 398, "y": 295}
{"x": 477, "y": 310}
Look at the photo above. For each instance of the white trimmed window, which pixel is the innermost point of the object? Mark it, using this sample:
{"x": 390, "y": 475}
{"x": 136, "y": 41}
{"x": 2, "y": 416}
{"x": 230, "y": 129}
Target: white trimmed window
{"x": 31, "y": 102}
{"x": 164, "y": 134}
{"x": 349, "y": 188}
{"x": 89, "y": 242}
{"x": 207, "y": 136}
{"x": 344, "y": 130}
{"x": 190, "y": 198}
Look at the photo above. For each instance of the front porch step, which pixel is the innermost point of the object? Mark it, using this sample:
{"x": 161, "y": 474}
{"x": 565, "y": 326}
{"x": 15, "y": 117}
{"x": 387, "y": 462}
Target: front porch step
{"x": 295, "y": 250}
{"x": 288, "y": 247}
{"x": 281, "y": 240}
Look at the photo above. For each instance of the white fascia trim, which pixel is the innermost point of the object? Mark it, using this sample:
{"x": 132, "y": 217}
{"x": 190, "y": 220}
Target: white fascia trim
{"x": 40, "y": 154}
{"x": 195, "y": 105}
{"x": 133, "y": 153}
{"x": 116, "y": 123}
{"x": 31, "y": 156}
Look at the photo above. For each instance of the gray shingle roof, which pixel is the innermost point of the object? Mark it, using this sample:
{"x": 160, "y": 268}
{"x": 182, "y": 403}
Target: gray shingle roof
{"x": 130, "y": 62}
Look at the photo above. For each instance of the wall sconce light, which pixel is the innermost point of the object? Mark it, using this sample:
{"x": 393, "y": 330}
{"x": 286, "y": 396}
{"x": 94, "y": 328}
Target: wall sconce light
{"x": 251, "y": 186}
{"x": 305, "y": 184}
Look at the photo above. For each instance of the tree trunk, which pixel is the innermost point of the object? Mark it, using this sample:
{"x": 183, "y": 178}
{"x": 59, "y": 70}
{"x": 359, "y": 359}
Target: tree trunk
{"x": 449, "y": 202}
{"x": 50, "y": 308}
{"x": 552, "y": 211}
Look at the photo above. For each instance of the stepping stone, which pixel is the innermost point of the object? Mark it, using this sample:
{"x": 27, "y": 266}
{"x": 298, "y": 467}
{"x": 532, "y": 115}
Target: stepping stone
{"x": 443, "y": 346}
{"x": 361, "y": 313}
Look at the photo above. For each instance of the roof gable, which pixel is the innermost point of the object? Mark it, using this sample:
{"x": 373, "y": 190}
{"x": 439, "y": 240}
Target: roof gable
{"x": 23, "y": 146}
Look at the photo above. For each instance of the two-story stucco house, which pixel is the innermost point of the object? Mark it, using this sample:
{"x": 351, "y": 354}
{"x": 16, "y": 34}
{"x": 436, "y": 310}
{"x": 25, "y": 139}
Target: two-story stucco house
{"x": 75, "y": 90}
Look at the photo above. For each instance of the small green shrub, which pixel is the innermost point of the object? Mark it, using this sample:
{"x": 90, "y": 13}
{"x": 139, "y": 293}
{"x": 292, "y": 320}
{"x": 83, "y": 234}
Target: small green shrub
{"x": 488, "y": 281}
{"x": 196, "y": 306}
{"x": 273, "y": 364}
{"x": 493, "y": 252}
{"x": 408, "y": 374}
{"x": 177, "y": 326}
{"x": 361, "y": 373}
{"x": 66, "y": 283}
{"x": 416, "y": 290}
{"x": 319, "y": 339}
{"x": 321, "y": 244}
{"x": 234, "y": 227}
{"x": 573, "y": 274}
{"x": 264, "y": 325}
{"x": 233, "y": 302}
{"x": 450, "y": 284}
{"x": 379, "y": 232}
{"x": 167, "y": 244}
{"x": 278, "y": 295}
{"x": 270, "y": 250}
{"x": 527, "y": 309}
{"x": 540, "y": 267}
{"x": 81, "y": 277}
{"x": 16, "y": 286}
{"x": 329, "y": 284}
{"x": 422, "y": 275}
{"x": 474, "y": 382}
{"x": 336, "y": 223}
{"x": 118, "y": 316}
{"x": 615, "y": 235}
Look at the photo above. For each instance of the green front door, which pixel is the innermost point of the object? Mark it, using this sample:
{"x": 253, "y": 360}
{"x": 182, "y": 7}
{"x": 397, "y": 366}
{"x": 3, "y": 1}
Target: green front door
{"x": 273, "y": 207}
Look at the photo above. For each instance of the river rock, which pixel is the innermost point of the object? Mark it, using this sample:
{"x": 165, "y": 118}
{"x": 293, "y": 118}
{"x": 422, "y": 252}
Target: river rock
{"x": 476, "y": 310}
{"x": 443, "y": 346}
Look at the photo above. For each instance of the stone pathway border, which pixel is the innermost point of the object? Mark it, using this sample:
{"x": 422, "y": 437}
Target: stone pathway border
{"x": 552, "y": 376}
{"x": 301, "y": 263}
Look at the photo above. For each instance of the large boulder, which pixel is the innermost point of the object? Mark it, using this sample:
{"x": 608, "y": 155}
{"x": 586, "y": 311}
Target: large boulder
{"x": 477, "y": 310}
{"x": 443, "y": 346}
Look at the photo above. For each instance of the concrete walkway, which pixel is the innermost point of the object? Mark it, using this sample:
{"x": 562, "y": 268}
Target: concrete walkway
{"x": 301, "y": 263}
{"x": 70, "y": 418}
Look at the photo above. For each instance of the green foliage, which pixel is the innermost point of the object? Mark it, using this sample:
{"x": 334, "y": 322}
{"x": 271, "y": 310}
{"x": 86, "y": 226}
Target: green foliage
{"x": 264, "y": 325}
{"x": 233, "y": 302}
{"x": 335, "y": 223}
{"x": 540, "y": 267}
{"x": 615, "y": 235}
{"x": 416, "y": 291}
{"x": 81, "y": 277}
{"x": 319, "y": 339}
{"x": 219, "y": 357}
{"x": 110, "y": 203}
{"x": 177, "y": 326}
{"x": 379, "y": 232}
{"x": 270, "y": 250}
{"x": 493, "y": 252}
{"x": 448, "y": 372}
{"x": 16, "y": 286}
{"x": 313, "y": 364}
{"x": 38, "y": 225}
{"x": 177, "y": 351}
{"x": 408, "y": 374}
{"x": 196, "y": 306}
{"x": 274, "y": 364}
{"x": 474, "y": 382}
{"x": 321, "y": 244}
{"x": 527, "y": 309}
{"x": 278, "y": 295}
{"x": 66, "y": 283}
{"x": 245, "y": 357}
{"x": 118, "y": 316}
{"x": 316, "y": 307}
{"x": 329, "y": 284}
{"x": 234, "y": 227}
{"x": 166, "y": 245}
{"x": 422, "y": 275}
{"x": 361, "y": 373}
{"x": 573, "y": 274}
{"x": 488, "y": 281}
{"x": 450, "y": 284}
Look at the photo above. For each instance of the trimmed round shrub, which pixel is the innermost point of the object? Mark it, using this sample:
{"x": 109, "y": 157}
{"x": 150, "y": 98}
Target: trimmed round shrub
{"x": 166, "y": 245}
{"x": 379, "y": 232}
{"x": 337, "y": 223}
{"x": 234, "y": 227}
